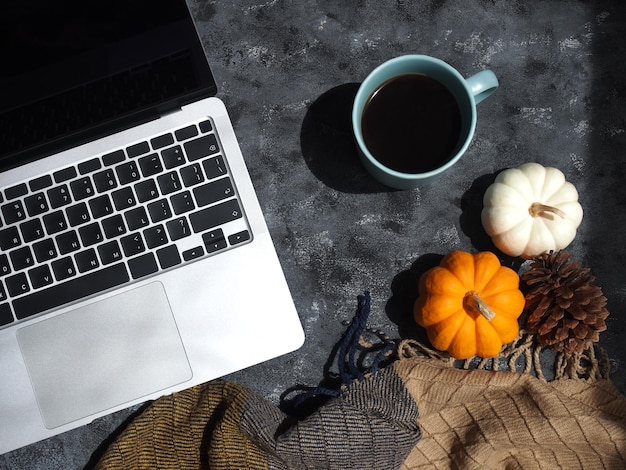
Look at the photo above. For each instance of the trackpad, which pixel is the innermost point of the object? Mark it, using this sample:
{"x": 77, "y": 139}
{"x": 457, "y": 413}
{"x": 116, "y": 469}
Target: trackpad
{"x": 104, "y": 354}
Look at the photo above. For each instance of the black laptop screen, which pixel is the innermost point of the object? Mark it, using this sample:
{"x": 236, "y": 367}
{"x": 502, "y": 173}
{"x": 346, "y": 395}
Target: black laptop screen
{"x": 74, "y": 70}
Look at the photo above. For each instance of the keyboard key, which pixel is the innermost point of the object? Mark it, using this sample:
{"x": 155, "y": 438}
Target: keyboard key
{"x": 9, "y": 238}
{"x": 137, "y": 218}
{"x": 74, "y": 289}
{"x": 168, "y": 256}
{"x": 239, "y": 237}
{"x": 105, "y": 180}
{"x": 5, "y": 267}
{"x": 132, "y": 244}
{"x": 150, "y": 165}
{"x": 63, "y": 269}
{"x": 192, "y": 175}
{"x": 65, "y": 174}
{"x": 44, "y": 250}
{"x": 186, "y": 132}
{"x": 21, "y": 258}
{"x": 146, "y": 190}
{"x": 59, "y": 196}
{"x": 201, "y": 147}
{"x": 138, "y": 149}
{"x": 178, "y": 228}
{"x": 82, "y": 188}
{"x": 113, "y": 226}
{"x": 90, "y": 234}
{"x": 6, "y": 316}
{"x": 3, "y": 293}
{"x": 18, "y": 190}
{"x": 173, "y": 157}
{"x": 40, "y": 276}
{"x": 143, "y": 265}
{"x": 159, "y": 210}
{"x": 193, "y": 253}
{"x": 54, "y": 222}
{"x": 101, "y": 206}
{"x": 36, "y": 204}
{"x": 113, "y": 158}
{"x": 182, "y": 202}
{"x": 205, "y": 126}
{"x": 213, "y": 235}
{"x": 40, "y": 183}
{"x": 13, "y": 212}
{"x": 169, "y": 183}
{"x": 89, "y": 166}
{"x": 78, "y": 214}
{"x": 214, "y": 191}
{"x": 214, "y": 216}
{"x": 68, "y": 242}
{"x": 214, "y": 167}
{"x": 110, "y": 252}
{"x": 32, "y": 230}
{"x": 127, "y": 172}
{"x": 123, "y": 198}
{"x": 212, "y": 247}
{"x": 17, "y": 284}
{"x": 155, "y": 236}
{"x": 86, "y": 260}
{"x": 162, "y": 141}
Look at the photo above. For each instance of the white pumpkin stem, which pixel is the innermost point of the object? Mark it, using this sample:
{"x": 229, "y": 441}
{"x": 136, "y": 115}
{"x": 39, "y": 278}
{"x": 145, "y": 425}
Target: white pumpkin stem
{"x": 537, "y": 209}
{"x": 474, "y": 303}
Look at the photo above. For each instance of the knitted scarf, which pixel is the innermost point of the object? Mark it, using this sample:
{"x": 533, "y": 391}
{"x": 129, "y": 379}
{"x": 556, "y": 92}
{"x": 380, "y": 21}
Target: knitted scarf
{"x": 422, "y": 410}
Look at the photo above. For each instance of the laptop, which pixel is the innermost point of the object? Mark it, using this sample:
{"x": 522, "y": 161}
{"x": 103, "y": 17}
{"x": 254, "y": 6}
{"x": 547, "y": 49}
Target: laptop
{"x": 134, "y": 257}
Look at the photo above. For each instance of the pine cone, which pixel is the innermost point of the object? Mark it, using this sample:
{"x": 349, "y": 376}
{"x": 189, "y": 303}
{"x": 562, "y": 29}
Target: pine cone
{"x": 562, "y": 306}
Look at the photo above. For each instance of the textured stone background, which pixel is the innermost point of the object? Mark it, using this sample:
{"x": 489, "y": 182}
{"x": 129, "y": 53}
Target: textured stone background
{"x": 288, "y": 70}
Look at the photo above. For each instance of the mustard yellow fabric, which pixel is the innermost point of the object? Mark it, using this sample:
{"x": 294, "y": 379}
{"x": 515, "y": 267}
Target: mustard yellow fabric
{"x": 193, "y": 429}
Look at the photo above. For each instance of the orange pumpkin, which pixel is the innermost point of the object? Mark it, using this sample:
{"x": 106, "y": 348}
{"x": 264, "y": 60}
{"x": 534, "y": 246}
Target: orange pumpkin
{"x": 469, "y": 304}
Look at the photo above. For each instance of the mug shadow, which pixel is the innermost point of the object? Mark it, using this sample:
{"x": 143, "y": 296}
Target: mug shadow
{"x": 328, "y": 145}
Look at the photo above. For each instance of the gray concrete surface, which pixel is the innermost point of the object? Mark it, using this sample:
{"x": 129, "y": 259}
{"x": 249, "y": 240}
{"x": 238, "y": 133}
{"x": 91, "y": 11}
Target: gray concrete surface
{"x": 288, "y": 69}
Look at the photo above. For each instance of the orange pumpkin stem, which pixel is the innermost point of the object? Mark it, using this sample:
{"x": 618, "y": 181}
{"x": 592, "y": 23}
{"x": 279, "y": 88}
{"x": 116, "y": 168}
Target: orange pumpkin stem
{"x": 473, "y": 303}
{"x": 537, "y": 209}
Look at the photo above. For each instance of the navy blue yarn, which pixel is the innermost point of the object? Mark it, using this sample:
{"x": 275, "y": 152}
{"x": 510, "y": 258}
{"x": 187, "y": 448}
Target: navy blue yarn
{"x": 349, "y": 352}
{"x": 350, "y": 342}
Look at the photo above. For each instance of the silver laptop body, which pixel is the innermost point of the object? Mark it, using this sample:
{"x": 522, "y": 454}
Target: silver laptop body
{"x": 187, "y": 290}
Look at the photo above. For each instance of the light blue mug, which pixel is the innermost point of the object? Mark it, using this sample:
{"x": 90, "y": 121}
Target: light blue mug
{"x": 468, "y": 92}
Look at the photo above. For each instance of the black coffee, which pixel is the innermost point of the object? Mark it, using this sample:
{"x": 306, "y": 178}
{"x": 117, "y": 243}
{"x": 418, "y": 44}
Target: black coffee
{"x": 411, "y": 123}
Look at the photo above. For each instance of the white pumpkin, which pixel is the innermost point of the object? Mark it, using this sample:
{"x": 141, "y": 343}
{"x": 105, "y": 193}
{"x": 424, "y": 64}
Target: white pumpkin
{"x": 530, "y": 210}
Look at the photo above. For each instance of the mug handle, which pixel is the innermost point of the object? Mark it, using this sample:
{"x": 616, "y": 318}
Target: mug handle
{"x": 482, "y": 84}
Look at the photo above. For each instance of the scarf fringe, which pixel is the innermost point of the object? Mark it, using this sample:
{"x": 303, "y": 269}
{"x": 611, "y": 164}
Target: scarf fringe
{"x": 524, "y": 355}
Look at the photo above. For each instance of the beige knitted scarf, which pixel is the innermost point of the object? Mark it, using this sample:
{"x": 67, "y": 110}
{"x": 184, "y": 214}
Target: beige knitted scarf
{"x": 492, "y": 419}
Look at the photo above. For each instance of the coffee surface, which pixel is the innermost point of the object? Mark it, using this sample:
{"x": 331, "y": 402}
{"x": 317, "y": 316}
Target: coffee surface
{"x": 411, "y": 123}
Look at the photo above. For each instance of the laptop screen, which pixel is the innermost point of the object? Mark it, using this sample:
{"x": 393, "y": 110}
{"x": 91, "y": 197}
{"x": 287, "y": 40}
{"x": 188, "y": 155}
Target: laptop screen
{"x": 75, "y": 70}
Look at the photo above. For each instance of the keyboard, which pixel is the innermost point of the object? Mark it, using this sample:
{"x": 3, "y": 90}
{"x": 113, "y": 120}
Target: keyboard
{"x": 116, "y": 218}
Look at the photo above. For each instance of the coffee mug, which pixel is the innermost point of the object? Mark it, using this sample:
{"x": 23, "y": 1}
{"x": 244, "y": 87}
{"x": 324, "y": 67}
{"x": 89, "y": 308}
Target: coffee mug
{"x": 414, "y": 116}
